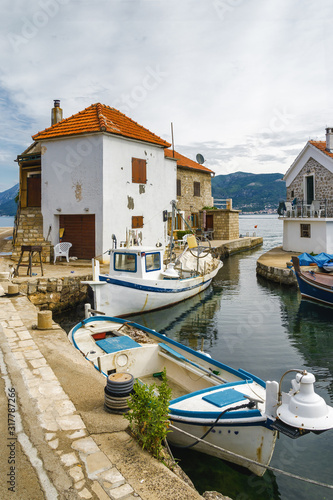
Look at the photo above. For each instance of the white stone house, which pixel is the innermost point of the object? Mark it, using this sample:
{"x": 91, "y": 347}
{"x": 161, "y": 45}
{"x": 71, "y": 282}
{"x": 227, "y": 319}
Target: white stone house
{"x": 98, "y": 174}
{"x": 308, "y": 218}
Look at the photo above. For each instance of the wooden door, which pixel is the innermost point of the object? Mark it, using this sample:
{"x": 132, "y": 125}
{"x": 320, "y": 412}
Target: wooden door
{"x": 34, "y": 191}
{"x": 80, "y": 231}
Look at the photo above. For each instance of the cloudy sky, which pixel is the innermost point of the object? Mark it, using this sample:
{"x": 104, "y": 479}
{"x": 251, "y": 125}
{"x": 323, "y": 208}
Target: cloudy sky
{"x": 245, "y": 82}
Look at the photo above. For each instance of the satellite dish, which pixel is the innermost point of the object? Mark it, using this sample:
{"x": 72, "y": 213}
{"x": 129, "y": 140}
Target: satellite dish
{"x": 200, "y": 159}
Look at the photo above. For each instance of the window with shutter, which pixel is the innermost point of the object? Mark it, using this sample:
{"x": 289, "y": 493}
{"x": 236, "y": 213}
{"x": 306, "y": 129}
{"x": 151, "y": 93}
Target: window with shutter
{"x": 137, "y": 221}
{"x": 139, "y": 171}
{"x": 196, "y": 186}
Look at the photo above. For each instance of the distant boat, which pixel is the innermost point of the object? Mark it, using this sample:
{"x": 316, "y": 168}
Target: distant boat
{"x": 313, "y": 285}
{"x": 232, "y": 414}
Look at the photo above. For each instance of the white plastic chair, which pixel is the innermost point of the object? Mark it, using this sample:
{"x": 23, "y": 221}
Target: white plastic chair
{"x": 315, "y": 208}
{"x": 62, "y": 250}
{"x": 289, "y": 209}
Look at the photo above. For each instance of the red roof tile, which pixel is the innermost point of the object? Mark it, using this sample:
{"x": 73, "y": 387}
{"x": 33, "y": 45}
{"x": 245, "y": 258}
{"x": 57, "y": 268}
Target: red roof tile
{"x": 322, "y": 146}
{"x": 100, "y": 118}
{"x": 183, "y": 161}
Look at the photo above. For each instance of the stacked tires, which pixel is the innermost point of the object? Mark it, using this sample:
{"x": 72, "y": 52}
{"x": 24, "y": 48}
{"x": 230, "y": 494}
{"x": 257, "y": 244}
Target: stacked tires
{"x": 117, "y": 391}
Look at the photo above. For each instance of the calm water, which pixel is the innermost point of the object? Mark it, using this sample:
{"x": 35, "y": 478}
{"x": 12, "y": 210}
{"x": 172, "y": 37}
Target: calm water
{"x": 6, "y": 221}
{"x": 265, "y": 328}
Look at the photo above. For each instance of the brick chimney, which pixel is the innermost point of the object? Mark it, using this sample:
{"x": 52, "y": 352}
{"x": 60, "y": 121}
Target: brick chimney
{"x": 56, "y": 112}
{"x": 329, "y": 139}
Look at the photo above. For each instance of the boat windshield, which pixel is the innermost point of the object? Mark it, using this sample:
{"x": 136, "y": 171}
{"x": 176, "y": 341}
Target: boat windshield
{"x": 153, "y": 261}
{"x": 125, "y": 262}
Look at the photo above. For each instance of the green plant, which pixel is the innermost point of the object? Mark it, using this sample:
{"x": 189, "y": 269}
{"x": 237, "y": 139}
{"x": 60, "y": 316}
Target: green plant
{"x": 180, "y": 234}
{"x": 149, "y": 414}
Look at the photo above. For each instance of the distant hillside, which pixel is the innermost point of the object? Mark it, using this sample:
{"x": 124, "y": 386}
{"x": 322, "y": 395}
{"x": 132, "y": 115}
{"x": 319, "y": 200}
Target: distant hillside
{"x": 250, "y": 192}
{"x": 7, "y": 204}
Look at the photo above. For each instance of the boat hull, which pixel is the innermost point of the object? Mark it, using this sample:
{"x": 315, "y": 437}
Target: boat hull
{"x": 255, "y": 442}
{"x": 116, "y": 297}
{"x": 314, "y": 291}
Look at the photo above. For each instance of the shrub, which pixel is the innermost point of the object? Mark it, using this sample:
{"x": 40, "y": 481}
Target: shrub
{"x": 149, "y": 414}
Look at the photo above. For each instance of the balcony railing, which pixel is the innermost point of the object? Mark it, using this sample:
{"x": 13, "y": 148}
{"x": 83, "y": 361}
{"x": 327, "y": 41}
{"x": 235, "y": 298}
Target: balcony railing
{"x": 301, "y": 209}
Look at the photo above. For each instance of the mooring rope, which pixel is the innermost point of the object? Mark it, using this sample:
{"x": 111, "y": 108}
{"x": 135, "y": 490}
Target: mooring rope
{"x": 269, "y": 467}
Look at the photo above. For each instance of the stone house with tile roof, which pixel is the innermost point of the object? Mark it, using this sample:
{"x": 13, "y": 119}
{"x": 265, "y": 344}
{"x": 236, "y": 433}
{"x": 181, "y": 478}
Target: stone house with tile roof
{"x": 308, "y": 220}
{"x": 194, "y": 188}
{"x": 90, "y": 176}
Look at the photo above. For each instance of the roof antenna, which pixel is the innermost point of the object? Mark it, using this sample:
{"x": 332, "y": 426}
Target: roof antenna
{"x": 173, "y": 144}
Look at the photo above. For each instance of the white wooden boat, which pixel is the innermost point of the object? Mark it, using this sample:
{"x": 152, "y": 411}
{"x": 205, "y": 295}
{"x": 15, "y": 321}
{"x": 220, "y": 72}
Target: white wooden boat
{"x": 231, "y": 409}
{"x": 138, "y": 281}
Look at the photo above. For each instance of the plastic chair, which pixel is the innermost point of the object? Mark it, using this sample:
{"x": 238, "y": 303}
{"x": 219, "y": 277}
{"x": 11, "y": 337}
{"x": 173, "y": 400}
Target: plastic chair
{"x": 62, "y": 250}
{"x": 315, "y": 208}
{"x": 289, "y": 209}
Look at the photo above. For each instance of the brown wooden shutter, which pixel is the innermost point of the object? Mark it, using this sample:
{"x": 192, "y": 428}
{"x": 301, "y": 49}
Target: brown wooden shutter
{"x": 137, "y": 221}
{"x": 139, "y": 171}
{"x": 196, "y": 186}
{"x": 179, "y": 187}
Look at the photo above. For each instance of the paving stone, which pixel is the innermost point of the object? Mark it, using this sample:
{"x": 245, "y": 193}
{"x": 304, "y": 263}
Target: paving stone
{"x": 26, "y": 343}
{"x": 9, "y": 333}
{"x": 33, "y": 354}
{"x": 50, "y": 435}
{"x": 86, "y": 445}
{"x": 37, "y": 363}
{"x": 76, "y": 473}
{"x": 85, "y": 493}
{"x": 18, "y": 355}
{"x": 77, "y": 434}
{"x": 54, "y": 444}
{"x": 112, "y": 477}
{"x": 70, "y": 422}
{"x": 64, "y": 407}
{"x": 22, "y": 364}
{"x": 23, "y": 335}
{"x": 97, "y": 463}
{"x": 121, "y": 492}
{"x": 79, "y": 485}
{"x": 48, "y": 422}
{"x": 50, "y": 389}
{"x": 99, "y": 492}
{"x": 47, "y": 373}
{"x": 69, "y": 459}
{"x": 14, "y": 323}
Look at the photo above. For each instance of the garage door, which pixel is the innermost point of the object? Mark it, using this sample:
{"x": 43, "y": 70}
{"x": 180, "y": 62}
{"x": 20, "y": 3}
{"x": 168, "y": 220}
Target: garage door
{"x": 80, "y": 231}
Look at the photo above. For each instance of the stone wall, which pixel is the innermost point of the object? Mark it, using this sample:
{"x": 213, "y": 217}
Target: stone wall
{"x": 30, "y": 232}
{"x": 225, "y": 223}
{"x": 56, "y": 294}
{"x": 323, "y": 183}
{"x": 279, "y": 275}
{"x": 187, "y": 202}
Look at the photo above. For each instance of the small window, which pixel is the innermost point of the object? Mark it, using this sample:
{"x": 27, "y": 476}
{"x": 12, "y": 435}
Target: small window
{"x": 195, "y": 220}
{"x": 153, "y": 261}
{"x": 139, "y": 171}
{"x": 179, "y": 187}
{"x": 196, "y": 186}
{"x": 305, "y": 230}
{"x": 125, "y": 262}
{"x": 137, "y": 221}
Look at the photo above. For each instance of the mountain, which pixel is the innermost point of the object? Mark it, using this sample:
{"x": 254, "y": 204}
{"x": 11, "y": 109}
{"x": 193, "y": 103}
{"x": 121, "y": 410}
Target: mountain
{"x": 250, "y": 192}
{"x": 8, "y": 204}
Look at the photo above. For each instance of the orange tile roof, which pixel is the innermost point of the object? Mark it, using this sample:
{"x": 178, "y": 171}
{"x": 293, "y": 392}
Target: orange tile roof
{"x": 321, "y": 145}
{"x": 100, "y": 118}
{"x": 183, "y": 161}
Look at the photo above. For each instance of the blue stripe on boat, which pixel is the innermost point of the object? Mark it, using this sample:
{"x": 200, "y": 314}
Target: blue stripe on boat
{"x": 145, "y": 288}
{"x": 114, "y": 344}
{"x": 224, "y": 397}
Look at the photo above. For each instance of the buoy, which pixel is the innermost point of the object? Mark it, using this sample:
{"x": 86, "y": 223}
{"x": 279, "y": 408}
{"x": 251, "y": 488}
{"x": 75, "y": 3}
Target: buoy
{"x": 44, "y": 320}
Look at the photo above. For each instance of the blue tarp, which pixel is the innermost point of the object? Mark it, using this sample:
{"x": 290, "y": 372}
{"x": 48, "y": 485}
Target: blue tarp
{"x": 305, "y": 259}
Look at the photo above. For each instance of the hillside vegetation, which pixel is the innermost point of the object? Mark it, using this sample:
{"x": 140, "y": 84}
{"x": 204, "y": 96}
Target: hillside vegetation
{"x": 250, "y": 192}
{"x": 8, "y": 204}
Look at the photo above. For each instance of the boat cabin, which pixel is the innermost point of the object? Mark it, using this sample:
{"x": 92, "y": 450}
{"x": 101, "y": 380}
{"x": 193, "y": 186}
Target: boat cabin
{"x": 139, "y": 262}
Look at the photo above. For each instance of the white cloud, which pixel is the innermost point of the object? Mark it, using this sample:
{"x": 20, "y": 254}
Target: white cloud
{"x": 244, "y": 82}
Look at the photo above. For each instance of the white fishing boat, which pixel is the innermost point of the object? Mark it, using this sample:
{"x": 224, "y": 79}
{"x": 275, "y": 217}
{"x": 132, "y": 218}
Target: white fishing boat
{"x": 138, "y": 281}
{"x": 232, "y": 414}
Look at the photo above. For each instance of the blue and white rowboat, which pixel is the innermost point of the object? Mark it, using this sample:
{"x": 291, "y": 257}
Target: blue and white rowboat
{"x": 232, "y": 410}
